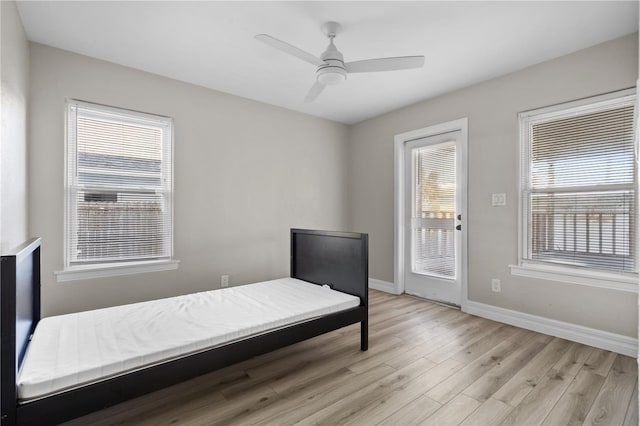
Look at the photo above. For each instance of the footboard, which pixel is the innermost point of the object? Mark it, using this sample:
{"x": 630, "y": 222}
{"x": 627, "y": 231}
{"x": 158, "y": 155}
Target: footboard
{"x": 337, "y": 259}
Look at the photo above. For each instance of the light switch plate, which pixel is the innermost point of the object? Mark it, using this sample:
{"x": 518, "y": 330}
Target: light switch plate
{"x": 499, "y": 199}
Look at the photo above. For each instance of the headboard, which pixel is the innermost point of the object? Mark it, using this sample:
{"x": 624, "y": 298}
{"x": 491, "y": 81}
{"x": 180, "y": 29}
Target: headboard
{"x": 339, "y": 259}
{"x": 19, "y": 314}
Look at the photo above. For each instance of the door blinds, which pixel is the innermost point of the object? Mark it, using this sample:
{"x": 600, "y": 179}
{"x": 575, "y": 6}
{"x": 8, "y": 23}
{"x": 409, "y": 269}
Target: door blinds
{"x": 434, "y": 212}
{"x": 119, "y": 203}
{"x": 580, "y": 187}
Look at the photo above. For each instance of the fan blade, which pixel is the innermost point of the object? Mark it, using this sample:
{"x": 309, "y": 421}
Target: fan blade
{"x": 291, "y": 50}
{"x": 315, "y": 90}
{"x": 385, "y": 64}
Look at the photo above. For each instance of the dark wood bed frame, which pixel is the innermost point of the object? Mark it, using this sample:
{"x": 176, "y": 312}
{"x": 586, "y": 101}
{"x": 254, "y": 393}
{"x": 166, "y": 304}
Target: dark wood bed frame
{"x": 339, "y": 259}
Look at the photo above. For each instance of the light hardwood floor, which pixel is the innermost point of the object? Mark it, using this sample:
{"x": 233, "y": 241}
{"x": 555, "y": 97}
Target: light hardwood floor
{"x": 426, "y": 364}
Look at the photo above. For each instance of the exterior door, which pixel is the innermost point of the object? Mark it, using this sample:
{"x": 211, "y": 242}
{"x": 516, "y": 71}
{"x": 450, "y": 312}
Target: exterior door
{"x": 435, "y": 188}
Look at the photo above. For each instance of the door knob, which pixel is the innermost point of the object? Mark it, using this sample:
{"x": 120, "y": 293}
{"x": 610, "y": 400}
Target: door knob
{"x": 459, "y": 228}
{"x": 459, "y": 217}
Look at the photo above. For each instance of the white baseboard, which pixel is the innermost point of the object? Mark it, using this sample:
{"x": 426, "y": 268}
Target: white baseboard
{"x": 385, "y": 286}
{"x": 589, "y": 336}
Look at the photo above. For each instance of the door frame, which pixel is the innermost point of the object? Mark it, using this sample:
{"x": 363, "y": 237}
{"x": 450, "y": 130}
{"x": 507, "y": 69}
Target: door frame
{"x": 400, "y": 141}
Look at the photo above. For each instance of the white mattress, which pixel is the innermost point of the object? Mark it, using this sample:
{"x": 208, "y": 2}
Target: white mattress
{"x": 71, "y": 350}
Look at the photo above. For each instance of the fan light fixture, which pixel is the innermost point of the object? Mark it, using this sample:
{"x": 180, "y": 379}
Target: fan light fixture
{"x": 331, "y": 75}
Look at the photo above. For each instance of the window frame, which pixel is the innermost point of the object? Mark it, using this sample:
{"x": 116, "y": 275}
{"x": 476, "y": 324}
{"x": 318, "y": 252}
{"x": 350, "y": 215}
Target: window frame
{"x": 98, "y": 269}
{"x": 624, "y": 281}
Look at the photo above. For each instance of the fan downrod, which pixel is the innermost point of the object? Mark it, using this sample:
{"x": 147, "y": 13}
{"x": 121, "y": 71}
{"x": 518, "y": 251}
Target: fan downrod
{"x": 331, "y": 28}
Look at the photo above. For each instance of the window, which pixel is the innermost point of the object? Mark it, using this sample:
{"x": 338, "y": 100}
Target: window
{"x": 118, "y": 213}
{"x": 578, "y": 187}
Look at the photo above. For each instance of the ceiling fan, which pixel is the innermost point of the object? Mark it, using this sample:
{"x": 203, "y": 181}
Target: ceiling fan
{"x": 331, "y": 66}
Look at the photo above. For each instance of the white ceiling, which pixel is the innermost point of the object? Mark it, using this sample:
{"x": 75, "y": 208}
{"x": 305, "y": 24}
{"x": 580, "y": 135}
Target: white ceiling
{"x": 211, "y": 43}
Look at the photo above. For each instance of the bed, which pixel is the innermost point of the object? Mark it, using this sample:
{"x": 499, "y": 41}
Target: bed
{"x": 328, "y": 268}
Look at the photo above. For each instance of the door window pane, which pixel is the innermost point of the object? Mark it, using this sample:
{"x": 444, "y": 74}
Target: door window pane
{"x": 434, "y": 210}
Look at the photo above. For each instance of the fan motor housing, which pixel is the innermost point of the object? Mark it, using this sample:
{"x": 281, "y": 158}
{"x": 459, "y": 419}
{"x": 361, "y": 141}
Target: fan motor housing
{"x": 332, "y": 73}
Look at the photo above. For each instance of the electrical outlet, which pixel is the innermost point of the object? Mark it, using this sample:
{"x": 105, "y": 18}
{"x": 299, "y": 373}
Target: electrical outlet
{"x": 495, "y": 285}
{"x": 224, "y": 281}
{"x": 499, "y": 200}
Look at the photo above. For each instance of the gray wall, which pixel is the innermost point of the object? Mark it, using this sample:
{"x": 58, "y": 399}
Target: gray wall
{"x": 492, "y": 109}
{"x": 245, "y": 172}
{"x": 13, "y": 141}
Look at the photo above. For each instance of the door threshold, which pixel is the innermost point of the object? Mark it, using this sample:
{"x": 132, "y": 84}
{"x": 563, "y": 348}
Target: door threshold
{"x": 437, "y": 302}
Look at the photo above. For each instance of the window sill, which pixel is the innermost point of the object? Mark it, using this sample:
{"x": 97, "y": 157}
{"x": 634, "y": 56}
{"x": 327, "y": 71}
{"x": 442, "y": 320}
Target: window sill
{"x": 627, "y": 282}
{"x": 112, "y": 270}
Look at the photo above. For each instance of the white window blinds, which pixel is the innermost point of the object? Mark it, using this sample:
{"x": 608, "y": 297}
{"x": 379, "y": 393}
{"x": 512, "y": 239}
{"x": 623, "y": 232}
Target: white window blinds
{"x": 579, "y": 186}
{"x": 119, "y": 186}
{"x": 434, "y": 215}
